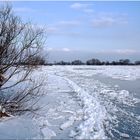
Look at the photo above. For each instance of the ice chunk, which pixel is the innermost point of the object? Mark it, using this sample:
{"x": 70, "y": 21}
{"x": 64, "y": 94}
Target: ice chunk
{"x": 72, "y": 134}
{"x": 67, "y": 123}
{"x": 124, "y": 135}
{"x": 48, "y": 133}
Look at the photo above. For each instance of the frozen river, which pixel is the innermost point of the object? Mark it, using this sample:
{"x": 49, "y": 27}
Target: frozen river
{"x": 82, "y": 102}
{"x": 110, "y": 99}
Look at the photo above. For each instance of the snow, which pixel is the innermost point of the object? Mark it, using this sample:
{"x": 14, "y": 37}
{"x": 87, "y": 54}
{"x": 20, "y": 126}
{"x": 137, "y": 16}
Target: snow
{"x": 116, "y": 72}
{"x": 103, "y": 106}
{"x": 19, "y": 128}
{"x": 67, "y": 123}
{"x": 72, "y": 134}
{"x": 75, "y": 105}
{"x": 48, "y": 133}
{"x": 60, "y": 111}
{"x": 94, "y": 115}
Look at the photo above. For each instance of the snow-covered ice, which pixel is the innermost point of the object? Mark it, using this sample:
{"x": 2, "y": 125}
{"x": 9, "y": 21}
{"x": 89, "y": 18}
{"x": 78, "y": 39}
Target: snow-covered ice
{"x": 116, "y": 72}
{"x": 76, "y": 104}
{"x": 19, "y": 128}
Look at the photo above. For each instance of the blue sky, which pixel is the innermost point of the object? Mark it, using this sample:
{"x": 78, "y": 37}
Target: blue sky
{"x": 84, "y": 30}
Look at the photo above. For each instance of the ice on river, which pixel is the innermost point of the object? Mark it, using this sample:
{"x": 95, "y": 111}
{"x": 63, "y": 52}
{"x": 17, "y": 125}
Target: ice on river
{"x": 77, "y": 104}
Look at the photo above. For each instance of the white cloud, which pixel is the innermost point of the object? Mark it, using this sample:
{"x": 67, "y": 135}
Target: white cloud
{"x": 63, "y": 28}
{"x": 68, "y": 23}
{"x": 120, "y": 51}
{"x": 126, "y": 51}
{"x": 49, "y": 49}
{"x": 107, "y": 21}
{"x": 101, "y": 19}
{"x": 23, "y": 9}
{"x": 88, "y": 11}
{"x": 58, "y": 49}
{"x": 60, "y": 31}
{"x": 66, "y": 49}
{"x": 52, "y": 29}
{"x": 83, "y": 7}
{"x": 103, "y": 22}
{"x": 79, "y": 5}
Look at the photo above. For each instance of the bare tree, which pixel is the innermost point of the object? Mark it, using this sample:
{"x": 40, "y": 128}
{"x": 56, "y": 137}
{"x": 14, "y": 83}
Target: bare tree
{"x": 19, "y": 43}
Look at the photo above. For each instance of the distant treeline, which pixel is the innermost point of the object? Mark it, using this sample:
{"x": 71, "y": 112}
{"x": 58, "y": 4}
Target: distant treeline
{"x": 38, "y": 60}
{"x": 97, "y": 62}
